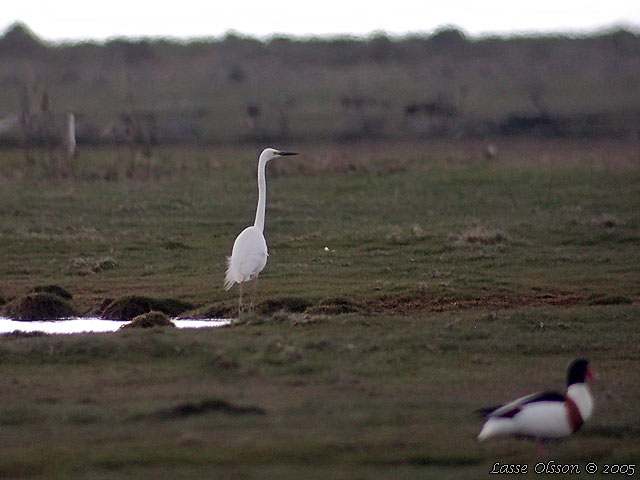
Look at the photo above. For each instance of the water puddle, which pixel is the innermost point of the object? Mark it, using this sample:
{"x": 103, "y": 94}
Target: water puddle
{"x": 94, "y": 325}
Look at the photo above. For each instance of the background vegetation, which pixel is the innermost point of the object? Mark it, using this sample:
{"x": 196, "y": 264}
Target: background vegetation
{"x": 238, "y": 88}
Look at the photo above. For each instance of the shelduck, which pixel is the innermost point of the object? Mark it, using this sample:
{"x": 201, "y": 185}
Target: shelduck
{"x": 544, "y": 415}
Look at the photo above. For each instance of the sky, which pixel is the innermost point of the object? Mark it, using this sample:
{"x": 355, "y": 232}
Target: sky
{"x": 63, "y": 20}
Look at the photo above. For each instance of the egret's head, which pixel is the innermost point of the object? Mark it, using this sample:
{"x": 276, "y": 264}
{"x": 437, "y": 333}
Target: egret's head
{"x": 269, "y": 153}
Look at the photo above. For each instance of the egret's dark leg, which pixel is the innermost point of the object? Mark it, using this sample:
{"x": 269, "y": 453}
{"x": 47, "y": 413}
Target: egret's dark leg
{"x": 240, "y": 306}
{"x": 253, "y": 293}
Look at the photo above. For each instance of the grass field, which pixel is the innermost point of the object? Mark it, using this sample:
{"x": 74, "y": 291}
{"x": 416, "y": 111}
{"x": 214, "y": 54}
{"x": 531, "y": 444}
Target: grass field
{"x": 433, "y": 282}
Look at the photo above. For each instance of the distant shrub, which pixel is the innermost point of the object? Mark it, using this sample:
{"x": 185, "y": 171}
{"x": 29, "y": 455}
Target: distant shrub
{"x": 20, "y": 40}
{"x": 448, "y": 38}
{"x": 38, "y": 306}
{"x": 132, "y": 52}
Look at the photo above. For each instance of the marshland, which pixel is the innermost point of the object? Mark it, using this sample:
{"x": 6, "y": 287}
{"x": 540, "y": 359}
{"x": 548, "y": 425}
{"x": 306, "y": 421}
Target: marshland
{"x": 421, "y": 265}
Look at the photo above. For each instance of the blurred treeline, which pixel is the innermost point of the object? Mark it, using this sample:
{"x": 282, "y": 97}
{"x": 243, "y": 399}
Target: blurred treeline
{"x": 157, "y": 91}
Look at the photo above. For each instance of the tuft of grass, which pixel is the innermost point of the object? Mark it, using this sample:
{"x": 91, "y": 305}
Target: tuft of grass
{"x": 18, "y": 415}
{"x": 104, "y": 264}
{"x": 174, "y": 245}
{"x": 606, "y": 221}
{"x": 483, "y": 235}
{"x": 83, "y": 267}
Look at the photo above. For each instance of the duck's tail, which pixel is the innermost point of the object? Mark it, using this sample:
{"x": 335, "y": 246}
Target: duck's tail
{"x": 495, "y": 427}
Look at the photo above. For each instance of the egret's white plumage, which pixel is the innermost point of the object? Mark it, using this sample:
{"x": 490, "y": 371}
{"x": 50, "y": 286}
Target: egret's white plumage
{"x": 248, "y": 257}
{"x": 249, "y": 254}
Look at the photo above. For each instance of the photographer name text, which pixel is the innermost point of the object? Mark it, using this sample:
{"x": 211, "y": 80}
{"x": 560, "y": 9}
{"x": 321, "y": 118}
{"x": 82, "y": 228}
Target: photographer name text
{"x": 551, "y": 467}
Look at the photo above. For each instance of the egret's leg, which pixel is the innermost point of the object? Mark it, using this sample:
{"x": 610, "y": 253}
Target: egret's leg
{"x": 253, "y": 293}
{"x": 240, "y": 309}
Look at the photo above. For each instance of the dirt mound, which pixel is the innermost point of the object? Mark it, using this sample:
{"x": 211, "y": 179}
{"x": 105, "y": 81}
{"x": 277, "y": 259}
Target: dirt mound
{"x": 609, "y": 300}
{"x": 212, "y": 311}
{"x": 127, "y": 308}
{"x": 203, "y": 407}
{"x": 150, "y": 320}
{"x": 54, "y": 290}
{"x": 38, "y": 306}
{"x": 336, "y": 306}
{"x": 290, "y": 304}
{"x": 418, "y": 301}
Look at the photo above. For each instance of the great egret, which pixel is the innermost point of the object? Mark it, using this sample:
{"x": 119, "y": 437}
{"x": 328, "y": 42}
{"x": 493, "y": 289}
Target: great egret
{"x": 249, "y": 254}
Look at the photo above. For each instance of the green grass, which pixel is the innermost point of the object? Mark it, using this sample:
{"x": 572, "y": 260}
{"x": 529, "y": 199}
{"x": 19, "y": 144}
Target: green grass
{"x": 344, "y": 394}
{"x": 470, "y": 283}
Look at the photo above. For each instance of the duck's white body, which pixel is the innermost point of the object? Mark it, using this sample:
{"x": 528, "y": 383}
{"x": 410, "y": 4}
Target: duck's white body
{"x": 540, "y": 419}
{"x": 545, "y": 415}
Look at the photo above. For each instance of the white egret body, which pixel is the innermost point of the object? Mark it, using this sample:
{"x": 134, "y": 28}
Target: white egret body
{"x": 249, "y": 254}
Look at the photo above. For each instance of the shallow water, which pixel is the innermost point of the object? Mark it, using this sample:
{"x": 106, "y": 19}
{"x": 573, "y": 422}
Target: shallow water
{"x": 93, "y": 325}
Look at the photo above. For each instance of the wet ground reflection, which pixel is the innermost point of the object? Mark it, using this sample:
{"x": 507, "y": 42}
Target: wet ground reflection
{"x": 93, "y": 325}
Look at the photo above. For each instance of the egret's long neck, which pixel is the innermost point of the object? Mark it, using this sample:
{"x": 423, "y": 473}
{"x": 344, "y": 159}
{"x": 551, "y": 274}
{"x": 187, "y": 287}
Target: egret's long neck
{"x": 262, "y": 196}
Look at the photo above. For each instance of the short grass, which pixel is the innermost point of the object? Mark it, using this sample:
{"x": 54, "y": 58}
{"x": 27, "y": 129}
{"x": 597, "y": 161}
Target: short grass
{"x": 472, "y": 282}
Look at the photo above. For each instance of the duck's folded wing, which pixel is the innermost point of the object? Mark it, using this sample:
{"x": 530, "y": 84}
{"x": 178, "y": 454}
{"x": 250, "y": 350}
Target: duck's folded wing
{"x": 509, "y": 410}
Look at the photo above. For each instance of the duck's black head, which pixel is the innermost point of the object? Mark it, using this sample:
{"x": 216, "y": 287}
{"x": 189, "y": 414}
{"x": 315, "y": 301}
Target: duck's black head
{"x": 578, "y": 371}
